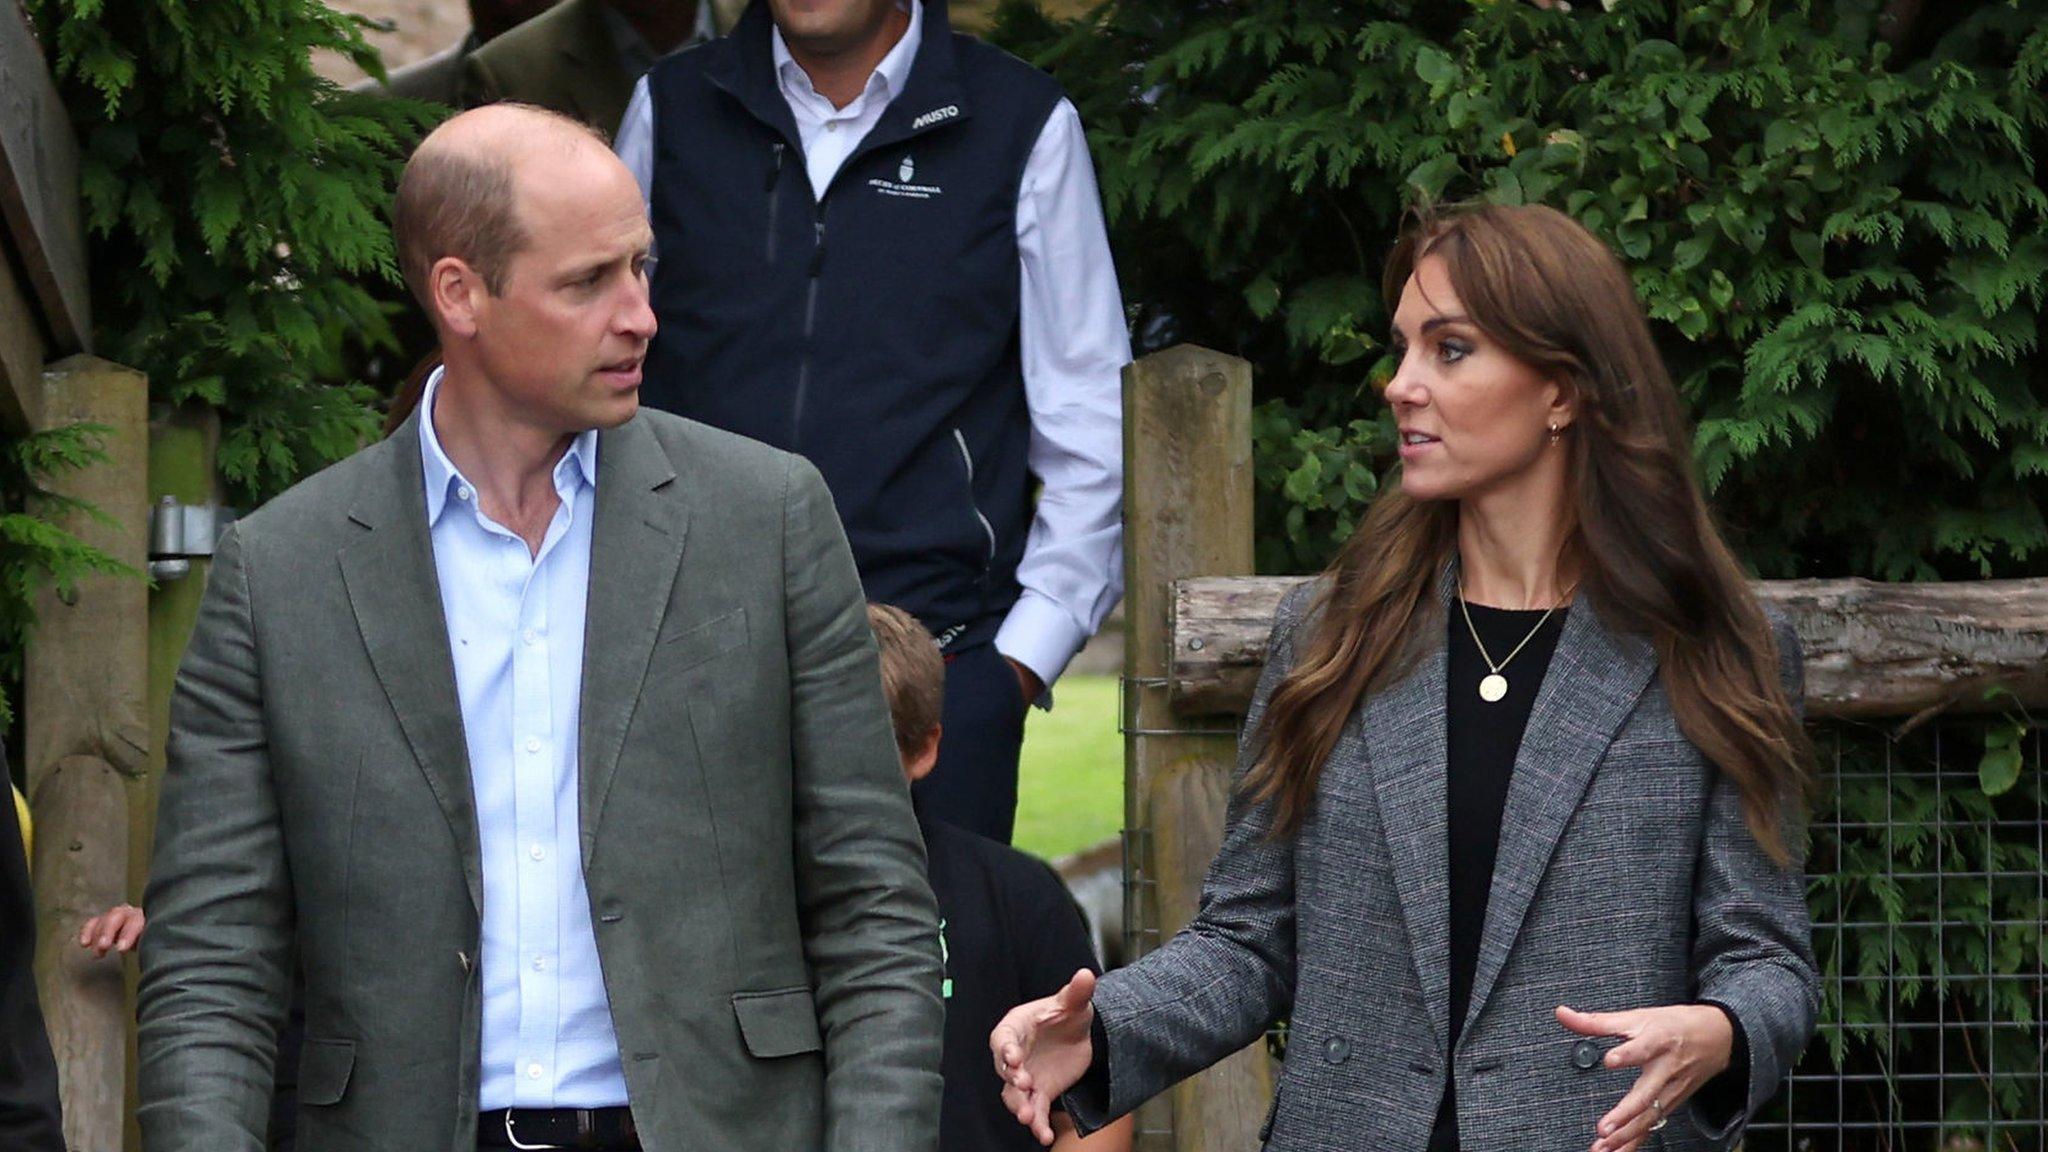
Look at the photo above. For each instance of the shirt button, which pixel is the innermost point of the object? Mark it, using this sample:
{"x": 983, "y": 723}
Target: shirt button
{"x": 464, "y": 493}
{"x": 537, "y": 852}
{"x": 531, "y": 637}
{"x": 540, "y": 963}
{"x": 533, "y": 1071}
{"x": 831, "y": 125}
{"x": 533, "y": 743}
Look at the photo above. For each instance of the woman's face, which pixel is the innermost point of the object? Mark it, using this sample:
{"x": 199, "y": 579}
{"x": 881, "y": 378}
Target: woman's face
{"x": 1473, "y": 419}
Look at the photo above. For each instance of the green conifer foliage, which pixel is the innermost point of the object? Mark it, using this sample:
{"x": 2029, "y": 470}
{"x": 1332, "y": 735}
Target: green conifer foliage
{"x": 1844, "y": 248}
{"x": 235, "y": 202}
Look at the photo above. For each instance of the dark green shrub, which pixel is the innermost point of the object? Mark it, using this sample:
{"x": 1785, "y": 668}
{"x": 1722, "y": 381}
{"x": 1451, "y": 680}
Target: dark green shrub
{"x": 235, "y": 204}
{"x": 1844, "y": 247}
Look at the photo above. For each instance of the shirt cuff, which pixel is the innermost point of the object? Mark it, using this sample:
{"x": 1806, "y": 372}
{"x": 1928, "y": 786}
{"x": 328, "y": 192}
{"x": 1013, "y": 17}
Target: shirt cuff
{"x": 1041, "y": 636}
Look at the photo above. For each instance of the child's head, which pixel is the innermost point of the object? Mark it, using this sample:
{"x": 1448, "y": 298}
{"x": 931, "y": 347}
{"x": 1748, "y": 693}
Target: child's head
{"x": 914, "y": 681}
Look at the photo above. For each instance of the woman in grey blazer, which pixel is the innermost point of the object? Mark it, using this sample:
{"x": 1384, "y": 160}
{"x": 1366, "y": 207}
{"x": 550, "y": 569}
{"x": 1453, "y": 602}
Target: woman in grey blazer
{"x": 1516, "y": 838}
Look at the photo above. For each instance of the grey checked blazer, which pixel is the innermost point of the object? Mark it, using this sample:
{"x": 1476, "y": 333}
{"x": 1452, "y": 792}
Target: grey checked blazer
{"x": 1626, "y": 878}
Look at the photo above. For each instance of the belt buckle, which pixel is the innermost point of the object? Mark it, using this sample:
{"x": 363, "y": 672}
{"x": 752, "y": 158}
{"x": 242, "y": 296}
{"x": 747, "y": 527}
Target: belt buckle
{"x": 509, "y": 1135}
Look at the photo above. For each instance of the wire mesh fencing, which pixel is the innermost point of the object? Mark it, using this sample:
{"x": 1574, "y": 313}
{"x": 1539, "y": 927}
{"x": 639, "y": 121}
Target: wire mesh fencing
{"x": 1929, "y": 897}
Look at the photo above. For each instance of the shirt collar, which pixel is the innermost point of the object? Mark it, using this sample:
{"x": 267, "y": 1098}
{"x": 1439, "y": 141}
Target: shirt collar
{"x": 443, "y": 477}
{"x": 889, "y": 76}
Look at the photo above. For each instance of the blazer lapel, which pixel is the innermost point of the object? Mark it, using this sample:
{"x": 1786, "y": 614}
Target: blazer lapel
{"x": 1405, "y": 751}
{"x": 1594, "y": 680}
{"x": 396, "y": 598}
{"x": 636, "y": 550}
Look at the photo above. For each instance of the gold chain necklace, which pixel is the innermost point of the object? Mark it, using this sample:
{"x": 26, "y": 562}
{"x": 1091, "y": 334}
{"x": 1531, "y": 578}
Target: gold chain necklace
{"x": 1493, "y": 687}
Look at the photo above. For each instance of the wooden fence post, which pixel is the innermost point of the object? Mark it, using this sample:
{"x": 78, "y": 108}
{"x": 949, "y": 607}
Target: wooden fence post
{"x": 1187, "y": 512}
{"x": 86, "y": 740}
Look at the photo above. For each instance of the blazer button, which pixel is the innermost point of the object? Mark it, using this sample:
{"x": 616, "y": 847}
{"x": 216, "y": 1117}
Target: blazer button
{"x": 1336, "y": 1050}
{"x": 1585, "y": 1055}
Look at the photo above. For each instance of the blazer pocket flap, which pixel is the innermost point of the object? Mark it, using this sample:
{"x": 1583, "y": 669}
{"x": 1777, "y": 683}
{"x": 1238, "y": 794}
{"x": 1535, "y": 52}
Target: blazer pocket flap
{"x": 779, "y": 1023}
{"x": 700, "y": 642}
{"x": 324, "y": 1067}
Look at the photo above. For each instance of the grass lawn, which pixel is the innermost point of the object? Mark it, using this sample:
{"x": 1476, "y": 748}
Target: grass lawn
{"x": 1070, "y": 788}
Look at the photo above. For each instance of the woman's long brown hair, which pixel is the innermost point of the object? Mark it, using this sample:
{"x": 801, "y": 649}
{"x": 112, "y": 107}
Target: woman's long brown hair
{"x": 1643, "y": 542}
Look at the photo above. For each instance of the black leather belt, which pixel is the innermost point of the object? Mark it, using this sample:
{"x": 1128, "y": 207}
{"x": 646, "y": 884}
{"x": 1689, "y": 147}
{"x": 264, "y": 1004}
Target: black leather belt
{"x": 606, "y": 1129}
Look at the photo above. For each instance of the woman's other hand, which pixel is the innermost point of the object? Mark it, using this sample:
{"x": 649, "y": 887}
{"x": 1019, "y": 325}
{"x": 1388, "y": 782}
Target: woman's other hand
{"x": 1679, "y": 1048}
{"x": 1041, "y": 1048}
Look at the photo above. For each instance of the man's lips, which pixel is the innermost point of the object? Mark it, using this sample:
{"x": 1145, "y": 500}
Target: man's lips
{"x": 622, "y": 370}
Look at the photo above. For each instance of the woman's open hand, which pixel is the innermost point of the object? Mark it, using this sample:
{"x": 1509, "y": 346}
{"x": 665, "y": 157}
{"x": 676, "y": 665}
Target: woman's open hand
{"x": 1041, "y": 1048}
{"x": 1679, "y": 1048}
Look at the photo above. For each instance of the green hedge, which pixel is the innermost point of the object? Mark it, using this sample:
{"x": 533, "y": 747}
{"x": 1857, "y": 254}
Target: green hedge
{"x": 1840, "y": 230}
{"x": 1841, "y": 244}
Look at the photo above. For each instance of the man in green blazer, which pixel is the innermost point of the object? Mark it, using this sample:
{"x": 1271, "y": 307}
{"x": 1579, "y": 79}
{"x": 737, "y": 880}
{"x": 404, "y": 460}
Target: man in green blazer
{"x": 582, "y": 57}
{"x": 546, "y": 735}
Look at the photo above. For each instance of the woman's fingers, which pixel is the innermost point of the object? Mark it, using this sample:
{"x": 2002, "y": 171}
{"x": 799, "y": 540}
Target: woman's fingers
{"x": 1041, "y": 1118}
{"x": 1078, "y": 992}
{"x": 1597, "y": 1023}
{"x": 1653, "y": 1097}
{"x": 1637, "y": 1052}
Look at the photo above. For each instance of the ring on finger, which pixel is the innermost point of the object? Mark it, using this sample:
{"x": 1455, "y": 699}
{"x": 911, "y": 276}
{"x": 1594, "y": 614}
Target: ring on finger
{"x": 1662, "y": 1119}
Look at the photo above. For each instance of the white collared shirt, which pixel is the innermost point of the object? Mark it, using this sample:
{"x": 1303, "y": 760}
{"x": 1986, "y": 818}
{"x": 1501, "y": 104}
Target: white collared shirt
{"x": 1072, "y": 339}
{"x": 515, "y": 628}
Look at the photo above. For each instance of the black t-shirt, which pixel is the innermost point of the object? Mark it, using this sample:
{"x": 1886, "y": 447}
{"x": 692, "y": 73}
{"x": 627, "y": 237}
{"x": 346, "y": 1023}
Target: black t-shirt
{"x": 1011, "y": 932}
{"x": 1481, "y": 739}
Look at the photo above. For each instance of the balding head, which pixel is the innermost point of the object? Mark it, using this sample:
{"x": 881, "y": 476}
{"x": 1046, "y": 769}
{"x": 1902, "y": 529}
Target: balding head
{"x": 459, "y": 195}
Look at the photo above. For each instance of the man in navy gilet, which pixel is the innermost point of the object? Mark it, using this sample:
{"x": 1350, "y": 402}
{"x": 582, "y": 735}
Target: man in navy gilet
{"x": 880, "y": 245}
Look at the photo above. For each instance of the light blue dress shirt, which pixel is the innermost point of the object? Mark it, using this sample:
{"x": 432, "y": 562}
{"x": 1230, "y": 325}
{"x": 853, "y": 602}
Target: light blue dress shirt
{"x": 515, "y": 626}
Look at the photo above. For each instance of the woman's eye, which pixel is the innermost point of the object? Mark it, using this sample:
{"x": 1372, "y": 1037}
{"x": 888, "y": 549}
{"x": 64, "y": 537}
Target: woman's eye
{"x": 1452, "y": 351}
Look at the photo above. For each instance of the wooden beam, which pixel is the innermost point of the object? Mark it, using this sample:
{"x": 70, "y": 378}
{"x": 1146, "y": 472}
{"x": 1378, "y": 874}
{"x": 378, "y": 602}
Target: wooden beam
{"x": 1187, "y": 512}
{"x": 84, "y": 685}
{"x": 1873, "y": 651}
{"x": 39, "y": 186}
{"x": 23, "y": 349}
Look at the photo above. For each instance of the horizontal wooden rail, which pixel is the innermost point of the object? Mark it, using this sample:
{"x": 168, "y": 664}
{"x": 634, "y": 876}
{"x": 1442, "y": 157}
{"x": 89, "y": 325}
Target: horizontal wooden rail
{"x": 1873, "y": 651}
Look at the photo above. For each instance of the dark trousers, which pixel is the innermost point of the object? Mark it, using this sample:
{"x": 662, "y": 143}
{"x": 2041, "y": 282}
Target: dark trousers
{"x": 975, "y": 784}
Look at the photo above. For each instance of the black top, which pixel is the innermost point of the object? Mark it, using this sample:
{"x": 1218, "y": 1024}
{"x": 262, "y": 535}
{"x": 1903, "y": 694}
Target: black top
{"x": 1481, "y": 739}
{"x": 28, "y": 1073}
{"x": 1010, "y": 932}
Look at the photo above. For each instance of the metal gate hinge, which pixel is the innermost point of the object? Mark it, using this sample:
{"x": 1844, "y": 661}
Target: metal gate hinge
{"x": 179, "y": 532}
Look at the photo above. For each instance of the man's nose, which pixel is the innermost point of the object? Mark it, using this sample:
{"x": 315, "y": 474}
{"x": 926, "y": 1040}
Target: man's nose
{"x": 636, "y": 315}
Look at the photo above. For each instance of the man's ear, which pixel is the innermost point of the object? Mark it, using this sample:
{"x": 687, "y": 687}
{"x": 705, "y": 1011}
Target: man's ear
{"x": 457, "y": 292}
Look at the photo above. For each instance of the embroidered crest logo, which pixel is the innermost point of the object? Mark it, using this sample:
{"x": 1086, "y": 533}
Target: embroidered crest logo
{"x": 905, "y": 185}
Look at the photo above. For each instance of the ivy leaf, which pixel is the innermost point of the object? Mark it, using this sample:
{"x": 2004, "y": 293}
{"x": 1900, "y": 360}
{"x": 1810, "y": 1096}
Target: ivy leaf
{"x": 2000, "y": 767}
